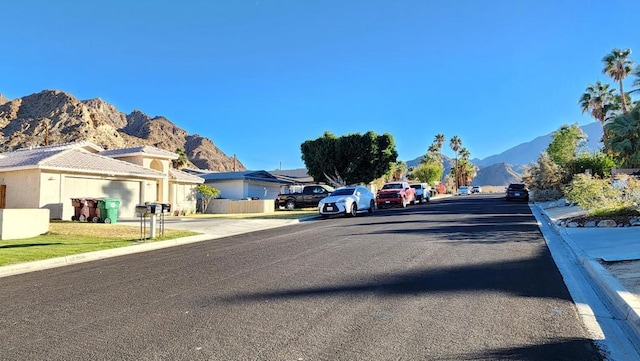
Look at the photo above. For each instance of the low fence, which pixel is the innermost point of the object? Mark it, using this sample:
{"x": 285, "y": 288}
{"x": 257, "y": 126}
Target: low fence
{"x": 228, "y": 206}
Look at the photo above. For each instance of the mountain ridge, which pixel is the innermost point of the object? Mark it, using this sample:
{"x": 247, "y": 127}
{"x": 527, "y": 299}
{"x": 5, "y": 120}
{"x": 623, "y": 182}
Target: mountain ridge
{"x": 54, "y": 116}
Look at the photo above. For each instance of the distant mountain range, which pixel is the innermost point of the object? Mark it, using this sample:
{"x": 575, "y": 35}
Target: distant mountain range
{"x": 507, "y": 167}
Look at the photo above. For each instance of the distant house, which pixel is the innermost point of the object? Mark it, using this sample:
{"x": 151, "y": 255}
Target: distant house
{"x": 246, "y": 184}
{"x": 50, "y": 176}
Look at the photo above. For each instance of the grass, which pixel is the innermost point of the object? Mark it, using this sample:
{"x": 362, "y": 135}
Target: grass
{"x": 614, "y": 212}
{"x": 67, "y": 238}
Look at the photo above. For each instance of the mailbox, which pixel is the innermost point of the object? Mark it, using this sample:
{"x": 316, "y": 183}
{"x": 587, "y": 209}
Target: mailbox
{"x": 154, "y": 208}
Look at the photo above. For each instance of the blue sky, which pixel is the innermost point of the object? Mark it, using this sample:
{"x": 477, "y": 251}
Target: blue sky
{"x": 259, "y": 77}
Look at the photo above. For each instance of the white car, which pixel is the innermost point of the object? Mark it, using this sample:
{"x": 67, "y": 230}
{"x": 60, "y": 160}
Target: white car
{"x": 348, "y": 201}
{"x": 464, "y": 190}
{"x": 423, "y": 192}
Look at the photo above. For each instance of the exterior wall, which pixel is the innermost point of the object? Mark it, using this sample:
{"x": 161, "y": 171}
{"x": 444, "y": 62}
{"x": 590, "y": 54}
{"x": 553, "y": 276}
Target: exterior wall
{"x": 23, "y": 188}
{"x": 241, "y": 189}
{"x": 182, "y": 198}
{"x": 262, "y": 190}
{"x": 227, "y": 206}
{"x": 230, "y": 189}
{"x": 133, "y": 159}
{"x": 23, "y": 223}
{"x": 128, "y": 191}
{"x": 50, "y": 195}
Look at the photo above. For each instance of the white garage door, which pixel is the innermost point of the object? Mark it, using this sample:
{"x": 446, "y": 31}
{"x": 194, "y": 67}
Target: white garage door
{"x": 127, "y": 191}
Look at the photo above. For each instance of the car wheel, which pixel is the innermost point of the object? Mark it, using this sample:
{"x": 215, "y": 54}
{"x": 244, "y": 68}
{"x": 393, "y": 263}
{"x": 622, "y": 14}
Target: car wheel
{"x": 372, "y": 207}
{"x": 290, "y": 205}
{"x": 354, "y": 210}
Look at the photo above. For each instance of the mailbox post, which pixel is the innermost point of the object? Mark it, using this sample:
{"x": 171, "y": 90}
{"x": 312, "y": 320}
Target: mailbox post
{"x": 153, "y": 210}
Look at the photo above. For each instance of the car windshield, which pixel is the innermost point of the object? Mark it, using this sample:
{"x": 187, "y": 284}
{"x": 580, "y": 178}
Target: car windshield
{"x": 516, "y": 186}
{"x": 392, "y": 186}
{"x": 416, "y": 186}
{"x": 343, "y": 192}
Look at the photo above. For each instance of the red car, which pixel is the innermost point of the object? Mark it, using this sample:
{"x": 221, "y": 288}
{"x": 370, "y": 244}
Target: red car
{"x": 395, "y": 194}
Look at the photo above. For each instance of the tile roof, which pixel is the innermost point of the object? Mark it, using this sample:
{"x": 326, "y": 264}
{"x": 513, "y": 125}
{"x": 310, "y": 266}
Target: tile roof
{"x": 76, "y": 160}
{"x": 184, "y": 177}
{"x": 72, "y": 157}
{"x": 260, "y": 175}
{"x": 144, "y": 150}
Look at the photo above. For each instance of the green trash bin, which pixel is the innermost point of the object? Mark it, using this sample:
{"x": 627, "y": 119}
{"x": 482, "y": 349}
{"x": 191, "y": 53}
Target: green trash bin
{"x": 109, "y": 209}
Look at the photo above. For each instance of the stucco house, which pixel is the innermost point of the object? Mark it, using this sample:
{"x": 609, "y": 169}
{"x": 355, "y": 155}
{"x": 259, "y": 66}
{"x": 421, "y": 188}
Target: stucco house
{"x": 246, "y": 184}
{"x": 50, "y": 176}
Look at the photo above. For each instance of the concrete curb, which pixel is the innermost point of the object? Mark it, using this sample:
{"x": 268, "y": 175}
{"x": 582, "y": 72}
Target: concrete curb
{"x": 44, "y": 264}
{"x": 625, "y": 303}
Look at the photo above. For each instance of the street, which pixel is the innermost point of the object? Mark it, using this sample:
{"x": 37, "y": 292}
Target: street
{"x": 461, "y": 278}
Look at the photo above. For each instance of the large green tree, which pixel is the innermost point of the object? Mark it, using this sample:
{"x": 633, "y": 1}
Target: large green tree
{"x": 618, "y": 66}
{"x": 564, "y": 144}
{"x": 428, "y": 173}
{"x": 350, "y": 159}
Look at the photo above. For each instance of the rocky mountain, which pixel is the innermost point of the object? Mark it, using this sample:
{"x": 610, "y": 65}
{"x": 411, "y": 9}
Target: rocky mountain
{"x": 54, "y": 117}
{"x": 527, "y": 153}
{"x": 498, "y": 174}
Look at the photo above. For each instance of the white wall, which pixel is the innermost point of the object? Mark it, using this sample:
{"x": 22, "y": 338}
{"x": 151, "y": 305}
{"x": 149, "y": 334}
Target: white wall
{"x": 22, "y": 188}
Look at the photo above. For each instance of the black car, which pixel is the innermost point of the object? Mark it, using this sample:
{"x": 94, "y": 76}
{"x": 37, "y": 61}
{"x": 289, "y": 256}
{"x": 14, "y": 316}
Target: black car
{"x": 517, "y": 191}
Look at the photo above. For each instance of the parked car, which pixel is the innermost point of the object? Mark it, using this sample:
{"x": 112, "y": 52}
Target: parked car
{"x": 347, "y": 201}
{"x": 309, "y": 196}
{"x": 476, "y": 189}
{"x": 395, "y": 194}
{"x": 423, "y": 192}
{"x": 464, "y": 190}
{"x": 517, "y": 191}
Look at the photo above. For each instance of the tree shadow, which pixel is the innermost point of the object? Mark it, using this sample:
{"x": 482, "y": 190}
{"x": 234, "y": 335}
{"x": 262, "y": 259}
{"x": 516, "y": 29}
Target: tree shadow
{"x": 25, "y": 245}
{"x": 533, "y": 277}
{"x": 569, "y": 349}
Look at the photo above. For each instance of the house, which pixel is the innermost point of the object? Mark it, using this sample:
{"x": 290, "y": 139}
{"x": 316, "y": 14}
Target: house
{"x": 50, "y": 176}
{"x": 246, "y": 184}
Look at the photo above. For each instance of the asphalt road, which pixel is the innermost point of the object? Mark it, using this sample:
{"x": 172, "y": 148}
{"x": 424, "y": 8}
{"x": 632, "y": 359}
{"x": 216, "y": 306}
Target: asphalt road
{"x": 462, "y": 278}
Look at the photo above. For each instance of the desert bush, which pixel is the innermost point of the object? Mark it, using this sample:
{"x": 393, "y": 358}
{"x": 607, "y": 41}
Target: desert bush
{"x": 544, "y": 179}
{"x": 595, "y": 194}
{"x": 546, "y": 195}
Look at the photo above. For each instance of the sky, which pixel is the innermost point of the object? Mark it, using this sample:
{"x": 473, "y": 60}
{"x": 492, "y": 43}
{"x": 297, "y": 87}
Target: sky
{"x": 260, "y": 77}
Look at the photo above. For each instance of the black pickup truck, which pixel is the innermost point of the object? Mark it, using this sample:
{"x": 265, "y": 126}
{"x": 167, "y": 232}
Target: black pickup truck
{"x": 309, "y": 197}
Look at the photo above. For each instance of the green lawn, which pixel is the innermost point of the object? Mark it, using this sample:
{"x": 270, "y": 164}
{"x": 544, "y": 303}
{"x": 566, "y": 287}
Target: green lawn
{"x": 66, "y": 238}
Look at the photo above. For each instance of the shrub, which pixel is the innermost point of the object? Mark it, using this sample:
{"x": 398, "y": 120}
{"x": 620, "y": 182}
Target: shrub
{"x": 595, "y": 194}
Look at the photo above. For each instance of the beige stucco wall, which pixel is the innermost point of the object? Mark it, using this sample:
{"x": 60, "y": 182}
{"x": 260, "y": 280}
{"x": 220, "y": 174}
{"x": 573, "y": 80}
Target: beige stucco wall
{"x": 23, "y": 223}
{"x": 21, "y": 188}
{"x": 182, "y": 198}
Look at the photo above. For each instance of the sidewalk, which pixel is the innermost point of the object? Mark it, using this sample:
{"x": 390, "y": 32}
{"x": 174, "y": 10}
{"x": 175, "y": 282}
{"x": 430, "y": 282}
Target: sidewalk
{"x": 610, "y": 257}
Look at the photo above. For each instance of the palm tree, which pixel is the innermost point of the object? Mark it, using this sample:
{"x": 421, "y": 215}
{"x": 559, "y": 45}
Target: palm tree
{"x": 439, "y": 141}
{"x": 455, "y": 143}
{"x": 465, "y": 165}
{"x": 182, "y": 160}
{"x": 433, "y": 155}
{"x": 399, "y": 170}
{"x": 624, "y": 132}
{"x": 598, "y": 100}
{"x": 618, "y": 66}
